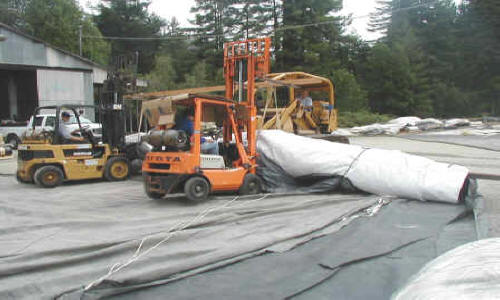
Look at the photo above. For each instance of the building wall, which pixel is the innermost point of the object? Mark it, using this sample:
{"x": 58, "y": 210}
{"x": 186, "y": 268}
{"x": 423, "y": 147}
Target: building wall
{"x": 57, "y": 87}
{"x": 56, "y": 77}
{"x": 99, "y": 75}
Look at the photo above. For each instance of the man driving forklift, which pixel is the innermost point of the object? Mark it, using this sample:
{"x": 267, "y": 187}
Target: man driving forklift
{"x": 65, "y": 130}
{"x": 49, "y": 158}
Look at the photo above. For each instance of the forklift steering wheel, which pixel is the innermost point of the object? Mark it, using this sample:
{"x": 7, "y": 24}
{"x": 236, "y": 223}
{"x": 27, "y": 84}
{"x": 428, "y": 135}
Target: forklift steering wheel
{"x": 87, "y": 133}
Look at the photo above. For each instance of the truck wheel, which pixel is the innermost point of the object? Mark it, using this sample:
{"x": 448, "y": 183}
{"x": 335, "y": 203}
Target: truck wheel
{"x": 251, "y": 185}
{"x": 196, "y": 189}
{"x": 116, "y": 169}
{"x": 13, "y": 140}
{"x": 49, "y": 176}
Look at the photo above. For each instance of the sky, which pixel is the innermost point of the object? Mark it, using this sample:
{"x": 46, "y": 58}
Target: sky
{"x": 180, "y": 9}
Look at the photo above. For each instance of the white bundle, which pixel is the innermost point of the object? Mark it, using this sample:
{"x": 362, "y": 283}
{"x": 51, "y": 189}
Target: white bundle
{"x": 381, "y": 172}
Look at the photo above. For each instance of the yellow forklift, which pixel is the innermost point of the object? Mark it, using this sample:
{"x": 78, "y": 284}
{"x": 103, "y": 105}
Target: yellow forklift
{"x": 48, "y": 159}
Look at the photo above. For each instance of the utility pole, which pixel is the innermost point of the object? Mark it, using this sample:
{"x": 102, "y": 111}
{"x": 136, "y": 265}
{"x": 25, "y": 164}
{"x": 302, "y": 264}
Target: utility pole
{"x": 80, "y": 38}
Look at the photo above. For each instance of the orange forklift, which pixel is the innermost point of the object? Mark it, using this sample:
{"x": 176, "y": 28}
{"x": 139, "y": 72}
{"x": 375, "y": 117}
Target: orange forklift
{"x": 183, "y": 167}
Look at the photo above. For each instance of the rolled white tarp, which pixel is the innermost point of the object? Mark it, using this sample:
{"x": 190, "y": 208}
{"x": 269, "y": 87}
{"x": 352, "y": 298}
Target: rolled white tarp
{"x": 471, "y": 271}
{"x": 376, "y": 171}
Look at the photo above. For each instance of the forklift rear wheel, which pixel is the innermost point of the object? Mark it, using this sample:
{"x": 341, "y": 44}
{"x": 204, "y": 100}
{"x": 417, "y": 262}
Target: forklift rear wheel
{"x": 196, "y": 189}
{"x": 251, "y": 185}
{"x": 49, "y": 176}
{"x": 116, "y": 169}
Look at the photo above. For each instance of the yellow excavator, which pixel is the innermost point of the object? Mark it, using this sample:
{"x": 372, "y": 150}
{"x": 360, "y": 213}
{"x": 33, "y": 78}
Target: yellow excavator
{"x": 278, "y": 101}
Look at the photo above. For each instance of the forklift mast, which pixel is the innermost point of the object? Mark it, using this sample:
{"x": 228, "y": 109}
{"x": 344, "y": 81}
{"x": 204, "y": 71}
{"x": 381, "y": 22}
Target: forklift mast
{"x": 250, "y": 59}
{"x": 112, "y": 116}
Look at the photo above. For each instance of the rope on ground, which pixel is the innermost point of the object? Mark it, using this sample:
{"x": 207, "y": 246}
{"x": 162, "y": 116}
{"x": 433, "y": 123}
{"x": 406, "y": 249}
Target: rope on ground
{"x": 170, "y": 233}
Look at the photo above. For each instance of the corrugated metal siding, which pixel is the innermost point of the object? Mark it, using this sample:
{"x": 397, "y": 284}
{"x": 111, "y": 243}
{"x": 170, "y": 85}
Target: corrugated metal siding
{"x": 88, "y": 90}
{"x": 56, "y": 87}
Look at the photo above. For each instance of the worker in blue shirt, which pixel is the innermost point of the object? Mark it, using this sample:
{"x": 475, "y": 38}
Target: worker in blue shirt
{"x": 186, "y": 124}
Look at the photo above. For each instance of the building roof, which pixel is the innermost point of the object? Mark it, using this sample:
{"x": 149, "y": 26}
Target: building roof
{"x": 36, "y": 40}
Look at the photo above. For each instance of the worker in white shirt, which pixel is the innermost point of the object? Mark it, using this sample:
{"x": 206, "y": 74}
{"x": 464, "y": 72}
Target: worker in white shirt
{"x": 65, "y": 129}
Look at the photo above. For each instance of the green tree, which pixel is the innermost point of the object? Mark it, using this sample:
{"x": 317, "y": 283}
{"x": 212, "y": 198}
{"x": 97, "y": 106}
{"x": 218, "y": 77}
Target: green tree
{"x": 130, "y": 20}
{"x": 387, "y": 77}
{"x": 252, "y": 18}
{"x": 213, "y": 20}
{"x": 311, "y": 48}
{"x": 163, "y": 76}
{"x": 479, "y": 32}
{"x": 12, "y": 12}
{"x": 183, "y": 55}
{"x": 58, "y": 22}
{"x": 348, "y": 93}
{"x": 200, "y": 76}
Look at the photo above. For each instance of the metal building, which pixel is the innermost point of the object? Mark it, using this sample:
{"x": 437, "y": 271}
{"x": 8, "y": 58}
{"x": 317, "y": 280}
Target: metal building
{"x": 34, "y": 73}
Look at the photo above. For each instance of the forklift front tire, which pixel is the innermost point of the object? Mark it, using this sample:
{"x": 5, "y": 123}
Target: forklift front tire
{"x": 116, "y": 169}
{"x": 49, "y": 176}
{"x": 251, "y": 185}
{"x": 196, "y": 189}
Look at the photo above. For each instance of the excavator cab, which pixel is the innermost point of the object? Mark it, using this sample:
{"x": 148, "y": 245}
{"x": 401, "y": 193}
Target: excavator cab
{"x": 168, "y": 169}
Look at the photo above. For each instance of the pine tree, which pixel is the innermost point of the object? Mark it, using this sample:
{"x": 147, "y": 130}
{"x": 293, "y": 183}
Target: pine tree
{"x": 213, "y": 21}
{"x": 313, "y": 47}
{"x": 252, "y": 18}
{"x": 480, "y": 71}
{"x": 131, "y": 19}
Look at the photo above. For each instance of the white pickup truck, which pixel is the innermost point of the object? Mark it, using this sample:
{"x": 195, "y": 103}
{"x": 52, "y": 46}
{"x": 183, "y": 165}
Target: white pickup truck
{"x": 46, "y": 122}
{"x": 12, "y": 132}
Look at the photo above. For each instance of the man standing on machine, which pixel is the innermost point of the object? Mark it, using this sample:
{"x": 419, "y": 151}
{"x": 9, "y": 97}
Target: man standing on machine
{"x": 65, "y": 129}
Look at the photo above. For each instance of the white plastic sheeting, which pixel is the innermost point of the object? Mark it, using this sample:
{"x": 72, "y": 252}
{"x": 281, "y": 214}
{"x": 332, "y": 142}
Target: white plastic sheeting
{"x": 429, "y": 124}
{"x": 409, "y": 125}
{"x": 381, "y": 172}
{"x": 471, "y": 271}
{"x": 376, "y": 129}
{"x": 454, "y": 123}
{"x": 405, "y": 121}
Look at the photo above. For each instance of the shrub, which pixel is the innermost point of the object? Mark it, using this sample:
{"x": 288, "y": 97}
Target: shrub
{"x": 361, "y": 118}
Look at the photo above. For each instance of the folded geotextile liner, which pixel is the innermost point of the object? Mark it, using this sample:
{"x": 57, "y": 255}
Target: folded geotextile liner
{"x": 376, "y": 171}
{"x": 57, "y": 243}
{"x": 471, "y": 271}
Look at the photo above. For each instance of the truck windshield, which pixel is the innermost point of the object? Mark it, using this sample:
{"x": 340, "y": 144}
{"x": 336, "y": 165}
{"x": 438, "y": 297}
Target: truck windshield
{"x": 83, "y": 120}
{"x": 38, "y": 121}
